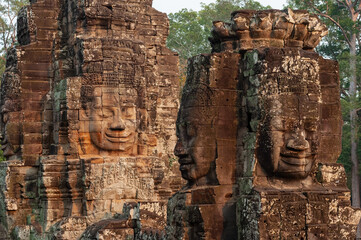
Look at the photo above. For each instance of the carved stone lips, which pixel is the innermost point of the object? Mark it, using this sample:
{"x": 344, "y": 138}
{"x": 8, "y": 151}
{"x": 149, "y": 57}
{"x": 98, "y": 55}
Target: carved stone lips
{"x": 295, "y": 158}
{"x": 184, "y": 162}
{"x": 117, "y": 134}
{"x": 296, "y": 154}
{"x": 295, "y": 161}
{"x": 118, "y": 137}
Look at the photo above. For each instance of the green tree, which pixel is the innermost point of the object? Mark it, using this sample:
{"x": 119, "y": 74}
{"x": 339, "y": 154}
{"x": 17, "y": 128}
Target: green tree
{"x": 189, "y": 30}
{"x": 342, "y": 44}
{"x": 8, "y": 19}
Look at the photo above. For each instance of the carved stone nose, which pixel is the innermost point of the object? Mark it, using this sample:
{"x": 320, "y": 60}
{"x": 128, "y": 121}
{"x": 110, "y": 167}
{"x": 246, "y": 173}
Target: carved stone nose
{"x": 298, "y": 142}
{"x": 179, "y": 149}
{"x": 117, "y": 125}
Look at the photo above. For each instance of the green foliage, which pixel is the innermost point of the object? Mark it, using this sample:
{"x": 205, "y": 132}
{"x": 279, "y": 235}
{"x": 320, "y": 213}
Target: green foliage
{"x": 8, "y": 18}
{"x": 172, "y": 160}
{"x": 189, "y": 30}
{"x": 184, "y": 31}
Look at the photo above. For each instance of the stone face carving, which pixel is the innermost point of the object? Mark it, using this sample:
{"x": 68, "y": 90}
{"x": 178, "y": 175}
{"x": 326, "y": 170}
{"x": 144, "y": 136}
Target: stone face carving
{"x": 277, "y": 103}
{"x": 112, "y": 119}
{"x": 196, "y": 146}
{"x": 206, "y": 128}
{"x": 289, "y": 128}
{"x": 206, "y": 148}
{"x": 10, "y": 106}
{"x": 11, "y": 142}
{"x": 121, "y": 83}
{"x": 268, "y": 195}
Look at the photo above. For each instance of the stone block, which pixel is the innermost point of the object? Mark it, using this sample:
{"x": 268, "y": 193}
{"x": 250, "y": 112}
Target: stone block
{"x": 33, "y": 116}
{"x": 30, "y": 149}
{"x": 330, "y": 94}
{"x": 328, "y": 110}
{"x": 36, "y": 86}
{"x": 33, "y": 138}
{"x": 329, "y": 79}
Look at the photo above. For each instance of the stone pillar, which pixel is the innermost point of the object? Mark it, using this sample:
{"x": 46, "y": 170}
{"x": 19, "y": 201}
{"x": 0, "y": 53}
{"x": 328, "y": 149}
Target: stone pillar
{"x": 24, "y": 87}
{"x": 94, "y": 129}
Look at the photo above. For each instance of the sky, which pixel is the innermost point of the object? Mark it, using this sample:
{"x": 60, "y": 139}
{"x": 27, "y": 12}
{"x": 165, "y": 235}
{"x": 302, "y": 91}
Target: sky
{"x": 171, "y": 6}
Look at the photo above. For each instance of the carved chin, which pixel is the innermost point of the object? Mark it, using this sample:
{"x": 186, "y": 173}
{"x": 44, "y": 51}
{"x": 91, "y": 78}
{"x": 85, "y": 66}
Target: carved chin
{"x": 193, "y": 173}
{"x": 187, "y": 171}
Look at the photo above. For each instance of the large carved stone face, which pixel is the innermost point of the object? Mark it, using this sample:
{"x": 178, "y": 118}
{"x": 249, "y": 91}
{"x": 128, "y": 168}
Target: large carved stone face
{"x": 10, "y": 143}
{"x": 288, "y": 135}
{"x": 10, "y": 108}
{"x": 196, "y": 145}
{"x": 112, "y": 123}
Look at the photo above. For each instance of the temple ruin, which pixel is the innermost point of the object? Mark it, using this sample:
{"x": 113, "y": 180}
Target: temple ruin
{"x": 95, "y": 149}
{"x": 259, "y": 134}
{"x": 89, "y": 103}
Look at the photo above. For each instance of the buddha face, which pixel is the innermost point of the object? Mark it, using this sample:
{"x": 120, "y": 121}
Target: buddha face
{"x": 112, "y": 123}
{"x": 10, "y": 143}
{"x": 196, "y": 145}
{"x": 288, "y": 135}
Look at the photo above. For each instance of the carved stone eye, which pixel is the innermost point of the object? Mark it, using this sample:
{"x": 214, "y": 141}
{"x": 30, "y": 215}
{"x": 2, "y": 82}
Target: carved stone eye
{"x": 277, "y": 124}
{"x": 106, "y": 113}
{"x": 311, "y": 126}
{"x": 191, "y": 131}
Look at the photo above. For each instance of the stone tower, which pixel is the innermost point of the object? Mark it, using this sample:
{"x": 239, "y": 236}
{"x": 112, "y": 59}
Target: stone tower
{"x": 89, "y": 100}
{"x": 259, "y": 134}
